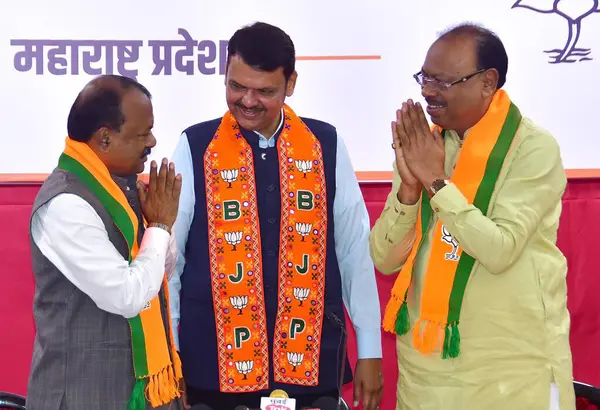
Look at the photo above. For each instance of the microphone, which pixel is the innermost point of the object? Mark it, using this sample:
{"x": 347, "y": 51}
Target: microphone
{"x": 277, "y": 400}
{"x": 279, "y": 394}
{"x": 335, "y": 320}
{"x": 241, "y": 407}
{"x": 344, "y": 344}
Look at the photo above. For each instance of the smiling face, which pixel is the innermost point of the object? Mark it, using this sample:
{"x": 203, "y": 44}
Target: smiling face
{"x": 255, "y": 97}
{"x": 462, "y": 105}
{"x": 125, "y": 151}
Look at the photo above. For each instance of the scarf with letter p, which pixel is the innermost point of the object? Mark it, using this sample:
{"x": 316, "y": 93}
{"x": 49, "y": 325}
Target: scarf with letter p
{"x": 156, "y": 363}
{"x": 448, "y": 267}
{"x": 237, "y": 265}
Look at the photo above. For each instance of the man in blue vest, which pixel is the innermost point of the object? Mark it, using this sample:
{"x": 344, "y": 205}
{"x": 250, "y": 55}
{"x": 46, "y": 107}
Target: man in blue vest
{"x": 272, "y": 234}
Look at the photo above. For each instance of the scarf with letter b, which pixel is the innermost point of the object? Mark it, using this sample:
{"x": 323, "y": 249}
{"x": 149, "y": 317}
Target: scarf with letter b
{"x": 236, "y": 256}
{"x": 448, "y": 267}
{"x": 156, "y": 363}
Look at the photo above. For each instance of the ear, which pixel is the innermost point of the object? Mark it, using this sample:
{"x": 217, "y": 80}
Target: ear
{"x": 291, "y": 84}
{"x": 102, "y": 139}
{"x": 490, "y": 82}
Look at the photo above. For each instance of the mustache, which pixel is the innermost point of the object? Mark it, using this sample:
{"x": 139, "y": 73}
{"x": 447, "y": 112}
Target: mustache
{"x": 431, "y": 101}
{"x": 146, "y": 152}
{"x": 256, "y": 108}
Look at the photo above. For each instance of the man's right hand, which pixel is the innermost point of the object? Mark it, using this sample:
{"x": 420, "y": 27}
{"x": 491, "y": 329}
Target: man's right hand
{"x": 410, "y": 188}
{"x": 160, "y": 199}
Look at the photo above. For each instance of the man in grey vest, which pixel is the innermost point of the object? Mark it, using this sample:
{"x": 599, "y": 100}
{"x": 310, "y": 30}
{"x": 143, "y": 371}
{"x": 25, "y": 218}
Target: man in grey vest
{"x": 103, "y": 338}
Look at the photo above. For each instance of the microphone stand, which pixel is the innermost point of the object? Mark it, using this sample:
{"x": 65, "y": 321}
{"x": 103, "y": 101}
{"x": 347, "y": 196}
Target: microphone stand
{"x": 343, "y": 367}
{"x": 344, "y": 345}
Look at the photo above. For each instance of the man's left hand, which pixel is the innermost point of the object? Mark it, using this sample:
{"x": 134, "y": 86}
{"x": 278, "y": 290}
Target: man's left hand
{"x": 423, "y": 149}
{"x": 368, "y": 384}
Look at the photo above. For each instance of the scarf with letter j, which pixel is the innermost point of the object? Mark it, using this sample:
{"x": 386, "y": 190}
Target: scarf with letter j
{"x": 236, "y": 256}
{"x": 448, "y": 267}
{"x": 155, "y": 361}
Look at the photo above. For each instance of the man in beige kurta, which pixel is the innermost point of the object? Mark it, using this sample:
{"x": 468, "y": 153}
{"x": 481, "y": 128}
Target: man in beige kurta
{"x": 514, "y": 351}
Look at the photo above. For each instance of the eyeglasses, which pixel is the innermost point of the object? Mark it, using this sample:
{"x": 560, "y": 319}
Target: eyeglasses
{"x": 442, "y": 86}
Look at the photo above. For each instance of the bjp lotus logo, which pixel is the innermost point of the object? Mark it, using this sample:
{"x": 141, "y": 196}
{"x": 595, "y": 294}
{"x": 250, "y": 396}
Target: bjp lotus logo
{"x": 574, "y": 11}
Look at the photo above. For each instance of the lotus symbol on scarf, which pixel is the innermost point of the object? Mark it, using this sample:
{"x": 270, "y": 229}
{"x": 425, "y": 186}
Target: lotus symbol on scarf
{"x": 303, "y": 229}
{"x": 295, "y": 359}
{"x": 229, "y": 175}
{"x": 301, "y": 294}
{"x": 304, "y": 166}
{"x": 233, "y": 238}
{"x": 574, "y": 11}
{"x": 239, "y": 302}
{"x": 244, "y": 367}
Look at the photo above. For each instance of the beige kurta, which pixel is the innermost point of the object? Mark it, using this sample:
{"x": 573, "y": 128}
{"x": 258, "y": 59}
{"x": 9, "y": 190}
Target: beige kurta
{"x": 514, "y": 322}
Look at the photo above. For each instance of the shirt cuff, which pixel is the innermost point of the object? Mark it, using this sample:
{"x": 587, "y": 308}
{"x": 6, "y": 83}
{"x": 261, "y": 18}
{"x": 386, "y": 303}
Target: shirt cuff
{"x": 448, "y": 200}
{"x": 176, "y": 335}
{"x": 400, "y": 219}
{"x": 156, "y": 238}
{"x": 369, "y": 344}
{"x": 404, "y": 213}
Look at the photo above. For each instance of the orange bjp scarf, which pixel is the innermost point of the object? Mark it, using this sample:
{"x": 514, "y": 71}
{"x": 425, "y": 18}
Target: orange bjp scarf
{"x": 157, "y": 367}
{"x": 236, "y": 259}
{"x": 448, "y": 267}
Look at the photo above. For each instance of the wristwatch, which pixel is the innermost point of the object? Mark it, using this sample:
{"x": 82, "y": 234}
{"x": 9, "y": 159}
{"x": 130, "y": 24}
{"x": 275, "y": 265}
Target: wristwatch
{"x": 161, "y": 226}
{"x": 437, "y": 185}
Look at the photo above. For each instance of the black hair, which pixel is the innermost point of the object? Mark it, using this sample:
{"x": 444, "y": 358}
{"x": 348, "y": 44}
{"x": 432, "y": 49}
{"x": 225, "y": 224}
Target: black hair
{"x": 99, "y": 105}
{"x": 264, "y": 47}
{"x": 490, "y": 50}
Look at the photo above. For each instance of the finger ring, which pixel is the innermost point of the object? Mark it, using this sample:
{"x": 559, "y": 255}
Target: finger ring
{"x": 394, "y": 146}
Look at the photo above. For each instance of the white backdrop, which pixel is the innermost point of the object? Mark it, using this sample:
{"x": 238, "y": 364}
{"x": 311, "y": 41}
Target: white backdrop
{"x": 358, "y": 96}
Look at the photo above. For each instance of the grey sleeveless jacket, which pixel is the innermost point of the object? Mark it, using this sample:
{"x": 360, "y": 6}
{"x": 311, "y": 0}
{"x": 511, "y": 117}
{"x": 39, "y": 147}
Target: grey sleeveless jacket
{"x": 82, "y": 356}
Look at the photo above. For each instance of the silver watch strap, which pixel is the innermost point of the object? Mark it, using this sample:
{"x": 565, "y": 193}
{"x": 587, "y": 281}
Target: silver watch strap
{"x": 161, "y": 226}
